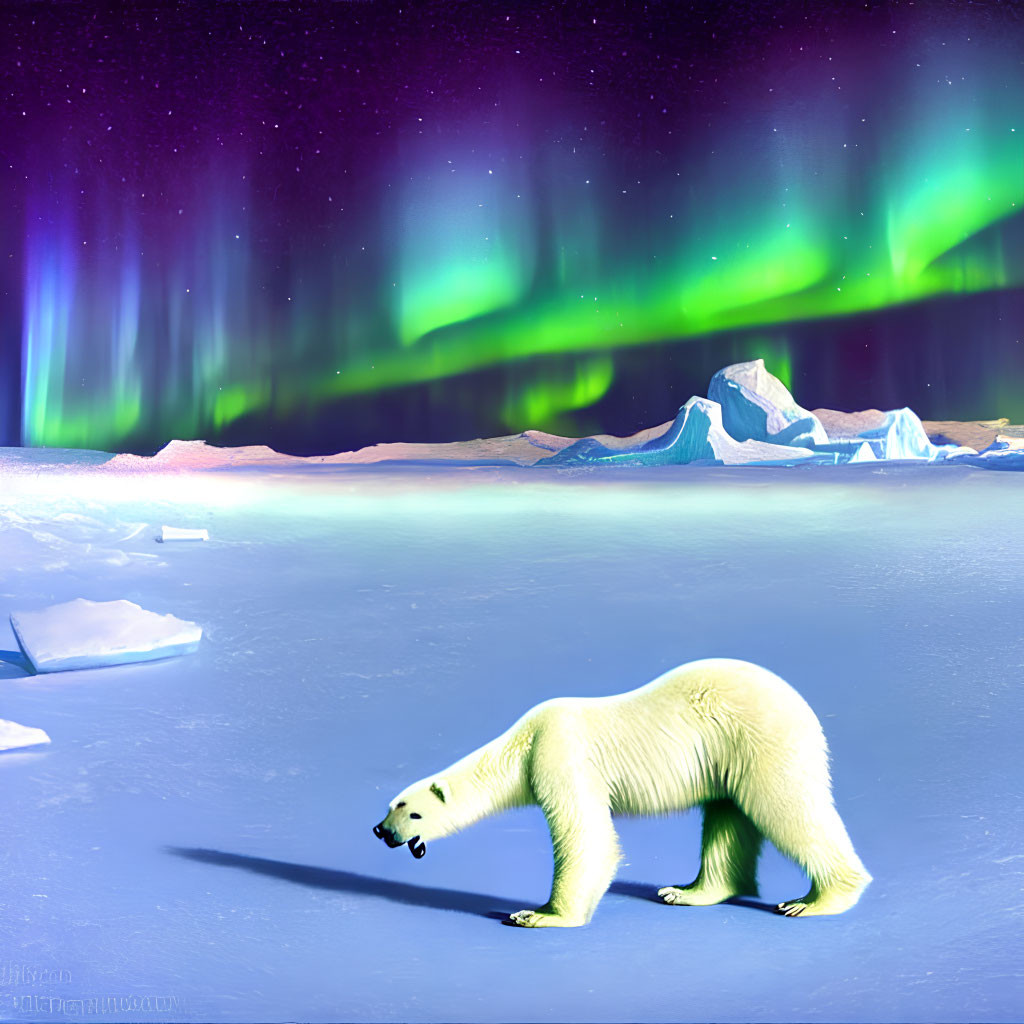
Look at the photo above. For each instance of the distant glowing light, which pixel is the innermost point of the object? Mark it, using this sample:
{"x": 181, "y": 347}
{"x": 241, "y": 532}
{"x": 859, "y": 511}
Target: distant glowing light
{"x": 477, "y": 270}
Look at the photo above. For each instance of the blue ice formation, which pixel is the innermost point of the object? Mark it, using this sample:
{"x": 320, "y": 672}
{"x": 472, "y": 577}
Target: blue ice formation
{"x": 902, "y": 436}
{"x": 91, "y": 634}
{"x": 997, "y": 456}
{"x": 757, "y": 406}
{"x": 751, "y": 419}
{"x": 696, "y": 436}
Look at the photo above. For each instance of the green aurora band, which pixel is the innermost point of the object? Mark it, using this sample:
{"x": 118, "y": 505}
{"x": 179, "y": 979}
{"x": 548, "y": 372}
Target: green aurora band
{"x": 482, "y": 259}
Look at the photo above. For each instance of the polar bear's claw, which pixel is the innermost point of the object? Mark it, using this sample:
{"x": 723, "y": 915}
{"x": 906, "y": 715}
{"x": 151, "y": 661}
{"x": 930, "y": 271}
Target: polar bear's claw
{"x": 794, "y": 909}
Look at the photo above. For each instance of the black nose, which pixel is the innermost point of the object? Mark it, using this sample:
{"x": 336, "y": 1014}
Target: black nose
{"x": 381, "y": 832}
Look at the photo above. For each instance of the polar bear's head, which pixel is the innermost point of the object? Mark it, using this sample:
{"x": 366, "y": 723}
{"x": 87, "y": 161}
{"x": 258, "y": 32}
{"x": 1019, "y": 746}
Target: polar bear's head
{"x": 420, "y": 812}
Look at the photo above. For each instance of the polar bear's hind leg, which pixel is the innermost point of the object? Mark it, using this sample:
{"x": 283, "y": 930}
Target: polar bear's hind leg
{"x": 838, "y": 878}
{"x": 803, "y": 823}
{"x": 730, "y": 845}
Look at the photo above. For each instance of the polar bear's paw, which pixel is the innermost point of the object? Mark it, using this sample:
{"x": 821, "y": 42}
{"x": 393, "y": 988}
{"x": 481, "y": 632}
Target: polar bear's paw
{"x": 542, "y": 919}
{"x": 694, "y": 895}
{"x": 833, "y": 902}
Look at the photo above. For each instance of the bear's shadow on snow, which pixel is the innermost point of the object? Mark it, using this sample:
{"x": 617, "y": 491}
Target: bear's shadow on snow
{"x": 480, "y": 904}
{"x": 364, "y": 885}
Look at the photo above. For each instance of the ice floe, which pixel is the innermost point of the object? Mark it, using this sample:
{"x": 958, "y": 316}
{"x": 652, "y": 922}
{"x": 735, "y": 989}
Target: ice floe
{"x": 14, "y": 736}
{"x": 90, "y": 634}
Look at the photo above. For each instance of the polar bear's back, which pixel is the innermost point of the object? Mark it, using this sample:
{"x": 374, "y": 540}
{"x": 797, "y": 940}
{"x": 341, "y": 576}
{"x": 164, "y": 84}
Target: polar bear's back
{"x": 672, "y": 742}
{"x": 736, "y": 702}
{"x": 726, "y": 689}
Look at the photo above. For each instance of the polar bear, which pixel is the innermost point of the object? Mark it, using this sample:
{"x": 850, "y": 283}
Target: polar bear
{"x": 725, "y": 734}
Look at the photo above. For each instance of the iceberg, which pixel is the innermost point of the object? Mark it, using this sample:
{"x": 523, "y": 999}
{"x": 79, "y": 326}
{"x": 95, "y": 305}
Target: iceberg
{"x": 750, "y": 419}
{"x": 92, "y": 634}
{"x": 695, "y": 436}
{"x": 863, "y": 453}
{"x": 758, "y": 406}
{"x": 13, "y": 736}
{"x": 902, "y": 436}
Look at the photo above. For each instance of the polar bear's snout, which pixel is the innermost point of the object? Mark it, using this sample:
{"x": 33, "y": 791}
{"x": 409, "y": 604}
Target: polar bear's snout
{"x": 416, "y": 816}
{"x": 381, "y": 831}
{"x": 416, "y": 846}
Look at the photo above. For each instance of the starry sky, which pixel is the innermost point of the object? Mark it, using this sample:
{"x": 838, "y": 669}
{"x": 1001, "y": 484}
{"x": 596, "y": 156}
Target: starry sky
{"x": 318, "y": 226}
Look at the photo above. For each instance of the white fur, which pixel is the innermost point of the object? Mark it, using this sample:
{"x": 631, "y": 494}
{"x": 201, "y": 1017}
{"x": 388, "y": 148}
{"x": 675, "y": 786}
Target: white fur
{"x": 725, "y": 734}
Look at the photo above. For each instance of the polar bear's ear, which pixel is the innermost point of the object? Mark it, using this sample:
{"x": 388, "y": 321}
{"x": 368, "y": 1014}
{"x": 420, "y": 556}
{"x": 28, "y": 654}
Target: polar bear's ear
{"x": 440, "y": 790}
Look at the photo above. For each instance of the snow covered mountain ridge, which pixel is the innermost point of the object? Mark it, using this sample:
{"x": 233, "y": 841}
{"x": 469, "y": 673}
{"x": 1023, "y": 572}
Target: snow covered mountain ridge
{"x": 748, "y": 419}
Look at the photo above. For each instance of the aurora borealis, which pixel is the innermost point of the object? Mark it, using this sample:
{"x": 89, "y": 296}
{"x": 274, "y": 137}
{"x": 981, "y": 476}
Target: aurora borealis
{"x": 354, "y": 222}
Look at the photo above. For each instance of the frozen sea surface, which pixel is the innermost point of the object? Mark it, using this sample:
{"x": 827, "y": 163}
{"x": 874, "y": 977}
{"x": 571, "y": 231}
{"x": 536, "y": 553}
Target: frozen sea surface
{"x": 196, "y": 842}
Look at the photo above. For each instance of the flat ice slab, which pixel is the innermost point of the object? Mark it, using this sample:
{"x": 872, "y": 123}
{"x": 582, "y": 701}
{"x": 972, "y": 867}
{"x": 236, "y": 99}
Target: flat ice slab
{"x": 91, "y": 634}
{"x": 13, "y": 736}
{"x": 181, "y": 533}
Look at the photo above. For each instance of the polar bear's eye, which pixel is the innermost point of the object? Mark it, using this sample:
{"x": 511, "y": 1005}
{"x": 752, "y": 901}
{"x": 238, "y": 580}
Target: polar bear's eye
{"x": 415, "y": 815}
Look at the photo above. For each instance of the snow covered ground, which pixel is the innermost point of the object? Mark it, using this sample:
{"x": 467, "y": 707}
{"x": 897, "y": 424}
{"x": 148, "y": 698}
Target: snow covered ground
{"x": 195, "y": 843}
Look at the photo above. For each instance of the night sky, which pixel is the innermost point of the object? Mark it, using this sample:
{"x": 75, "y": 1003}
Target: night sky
{"x": 320, "y": 226}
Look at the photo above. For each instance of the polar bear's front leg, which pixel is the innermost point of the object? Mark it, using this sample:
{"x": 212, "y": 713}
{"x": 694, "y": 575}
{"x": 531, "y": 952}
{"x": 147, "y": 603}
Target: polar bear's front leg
{"x": 586, "y": 851}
